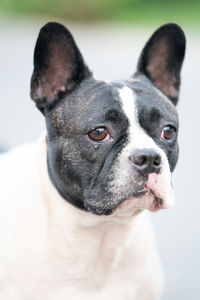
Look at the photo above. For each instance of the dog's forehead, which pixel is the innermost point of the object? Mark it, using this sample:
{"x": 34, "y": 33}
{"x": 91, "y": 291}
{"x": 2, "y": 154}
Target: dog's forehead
{"x": 95, "y": 99}
{"x": 152, "y": 101}
{"x": 148, "y": 104}
{"x": 92, "y": 99}
{"x": 106, "y": 95}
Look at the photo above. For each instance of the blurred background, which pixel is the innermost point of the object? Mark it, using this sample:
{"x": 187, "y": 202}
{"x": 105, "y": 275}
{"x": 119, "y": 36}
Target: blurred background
{"x": 111, "y": 34}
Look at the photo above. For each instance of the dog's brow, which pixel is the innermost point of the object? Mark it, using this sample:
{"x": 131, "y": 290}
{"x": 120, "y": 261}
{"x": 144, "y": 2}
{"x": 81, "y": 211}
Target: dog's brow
{"x": 155, "y": 115}
{"x": 114, "y": 115}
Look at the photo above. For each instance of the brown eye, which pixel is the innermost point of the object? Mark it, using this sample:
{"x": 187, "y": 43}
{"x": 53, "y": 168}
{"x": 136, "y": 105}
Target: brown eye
{"x": 99, "y": 134}
{"x": 168, "y": 132}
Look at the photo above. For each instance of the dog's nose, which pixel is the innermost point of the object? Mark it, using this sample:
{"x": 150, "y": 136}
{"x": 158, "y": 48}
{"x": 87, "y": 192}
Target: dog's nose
{"x": 146, "y": 161}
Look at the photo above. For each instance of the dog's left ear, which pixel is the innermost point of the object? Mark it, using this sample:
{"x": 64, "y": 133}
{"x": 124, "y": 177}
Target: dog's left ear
{"x": 58, "y": 66}
{"x": 162, "y": 57}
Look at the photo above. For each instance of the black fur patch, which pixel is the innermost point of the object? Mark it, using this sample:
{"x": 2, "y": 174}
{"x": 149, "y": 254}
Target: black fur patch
{"x": 76, "y": 163}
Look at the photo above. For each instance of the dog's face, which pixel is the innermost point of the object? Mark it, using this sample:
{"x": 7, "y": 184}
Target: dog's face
{"x": 110, "y": 145}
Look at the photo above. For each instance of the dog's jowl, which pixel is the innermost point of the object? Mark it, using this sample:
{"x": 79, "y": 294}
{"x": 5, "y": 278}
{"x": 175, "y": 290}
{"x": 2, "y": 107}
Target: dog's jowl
{"x": 72, "y": 205}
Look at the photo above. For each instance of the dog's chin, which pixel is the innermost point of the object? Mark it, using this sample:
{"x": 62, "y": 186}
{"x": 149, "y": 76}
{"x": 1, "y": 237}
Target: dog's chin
{"x": 143, "y": 199}
{"x": 137, "y": 203}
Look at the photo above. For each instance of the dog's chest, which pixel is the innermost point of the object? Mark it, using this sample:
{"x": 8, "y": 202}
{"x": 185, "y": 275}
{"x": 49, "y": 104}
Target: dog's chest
{"x": 98, "y": 268}
{"x": 103, "y": 268}
{"x": 53, "y": 251}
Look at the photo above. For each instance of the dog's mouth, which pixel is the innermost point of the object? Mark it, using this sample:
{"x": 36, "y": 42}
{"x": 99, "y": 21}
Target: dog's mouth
{"x": 158, "y": 201}
{"x": 144, "y": 198}
{"x": 146, "y": 191}
{"x": 153, "y": 195}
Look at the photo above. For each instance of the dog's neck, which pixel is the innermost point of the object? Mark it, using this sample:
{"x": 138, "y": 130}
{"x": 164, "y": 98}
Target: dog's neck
{"x": 103, "y": 238}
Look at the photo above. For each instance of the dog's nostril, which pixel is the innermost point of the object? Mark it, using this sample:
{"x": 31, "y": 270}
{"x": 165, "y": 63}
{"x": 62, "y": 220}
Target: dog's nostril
{"x": 140, "y": 160}
{"x": 157, "y": 160}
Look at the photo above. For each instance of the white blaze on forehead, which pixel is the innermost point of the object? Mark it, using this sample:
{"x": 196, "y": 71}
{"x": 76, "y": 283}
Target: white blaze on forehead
{"x": 129, "y": 106}
{"x": 138, "y": 139}
{"x": 137, "y": 136}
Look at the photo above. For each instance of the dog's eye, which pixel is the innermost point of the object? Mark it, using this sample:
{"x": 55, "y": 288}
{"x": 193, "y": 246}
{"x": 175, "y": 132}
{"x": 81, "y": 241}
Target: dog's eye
{"x": 168, "y": 132}
{"x": 99, "y": 134}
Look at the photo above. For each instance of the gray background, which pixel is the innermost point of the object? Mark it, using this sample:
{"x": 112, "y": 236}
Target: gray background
{"x": 112, "y": 52}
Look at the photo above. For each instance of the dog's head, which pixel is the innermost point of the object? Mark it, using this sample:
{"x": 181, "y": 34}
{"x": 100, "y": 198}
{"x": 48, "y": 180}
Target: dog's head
{"x": 110, "y": 145}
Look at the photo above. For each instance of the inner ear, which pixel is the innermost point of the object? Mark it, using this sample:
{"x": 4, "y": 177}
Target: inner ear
{"x": 162, "y": 57}
{"x": 58, "y": 66}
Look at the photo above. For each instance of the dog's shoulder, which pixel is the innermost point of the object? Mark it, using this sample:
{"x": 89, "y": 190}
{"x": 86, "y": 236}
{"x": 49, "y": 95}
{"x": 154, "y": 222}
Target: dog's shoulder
{"x": 14, "y": 169}
{"x": 21, "y": 211}
{"x": 19, "y": 183}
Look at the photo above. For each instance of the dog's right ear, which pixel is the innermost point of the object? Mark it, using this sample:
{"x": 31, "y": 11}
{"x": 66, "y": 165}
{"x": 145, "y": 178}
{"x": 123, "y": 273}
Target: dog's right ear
{"x": 58, "y": 66}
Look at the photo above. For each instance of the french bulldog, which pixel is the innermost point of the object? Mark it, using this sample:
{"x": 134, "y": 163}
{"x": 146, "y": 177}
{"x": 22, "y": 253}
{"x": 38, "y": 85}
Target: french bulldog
{"x": 73, "y": 220}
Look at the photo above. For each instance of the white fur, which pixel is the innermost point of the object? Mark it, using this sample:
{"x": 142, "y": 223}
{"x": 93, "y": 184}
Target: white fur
{"x": 52, "y": 250}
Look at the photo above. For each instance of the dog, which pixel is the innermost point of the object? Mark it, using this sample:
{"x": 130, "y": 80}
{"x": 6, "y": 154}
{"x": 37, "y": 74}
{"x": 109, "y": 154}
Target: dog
{"x": 73, "y": 220}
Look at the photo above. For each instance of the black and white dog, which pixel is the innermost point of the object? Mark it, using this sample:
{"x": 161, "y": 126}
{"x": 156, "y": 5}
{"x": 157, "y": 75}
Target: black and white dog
{"x": 72, "y": 224}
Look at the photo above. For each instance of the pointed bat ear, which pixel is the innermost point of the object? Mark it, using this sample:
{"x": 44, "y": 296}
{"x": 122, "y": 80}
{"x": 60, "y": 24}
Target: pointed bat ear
{"x": 58, "y": 66}
{"x": 162, "y": 57}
